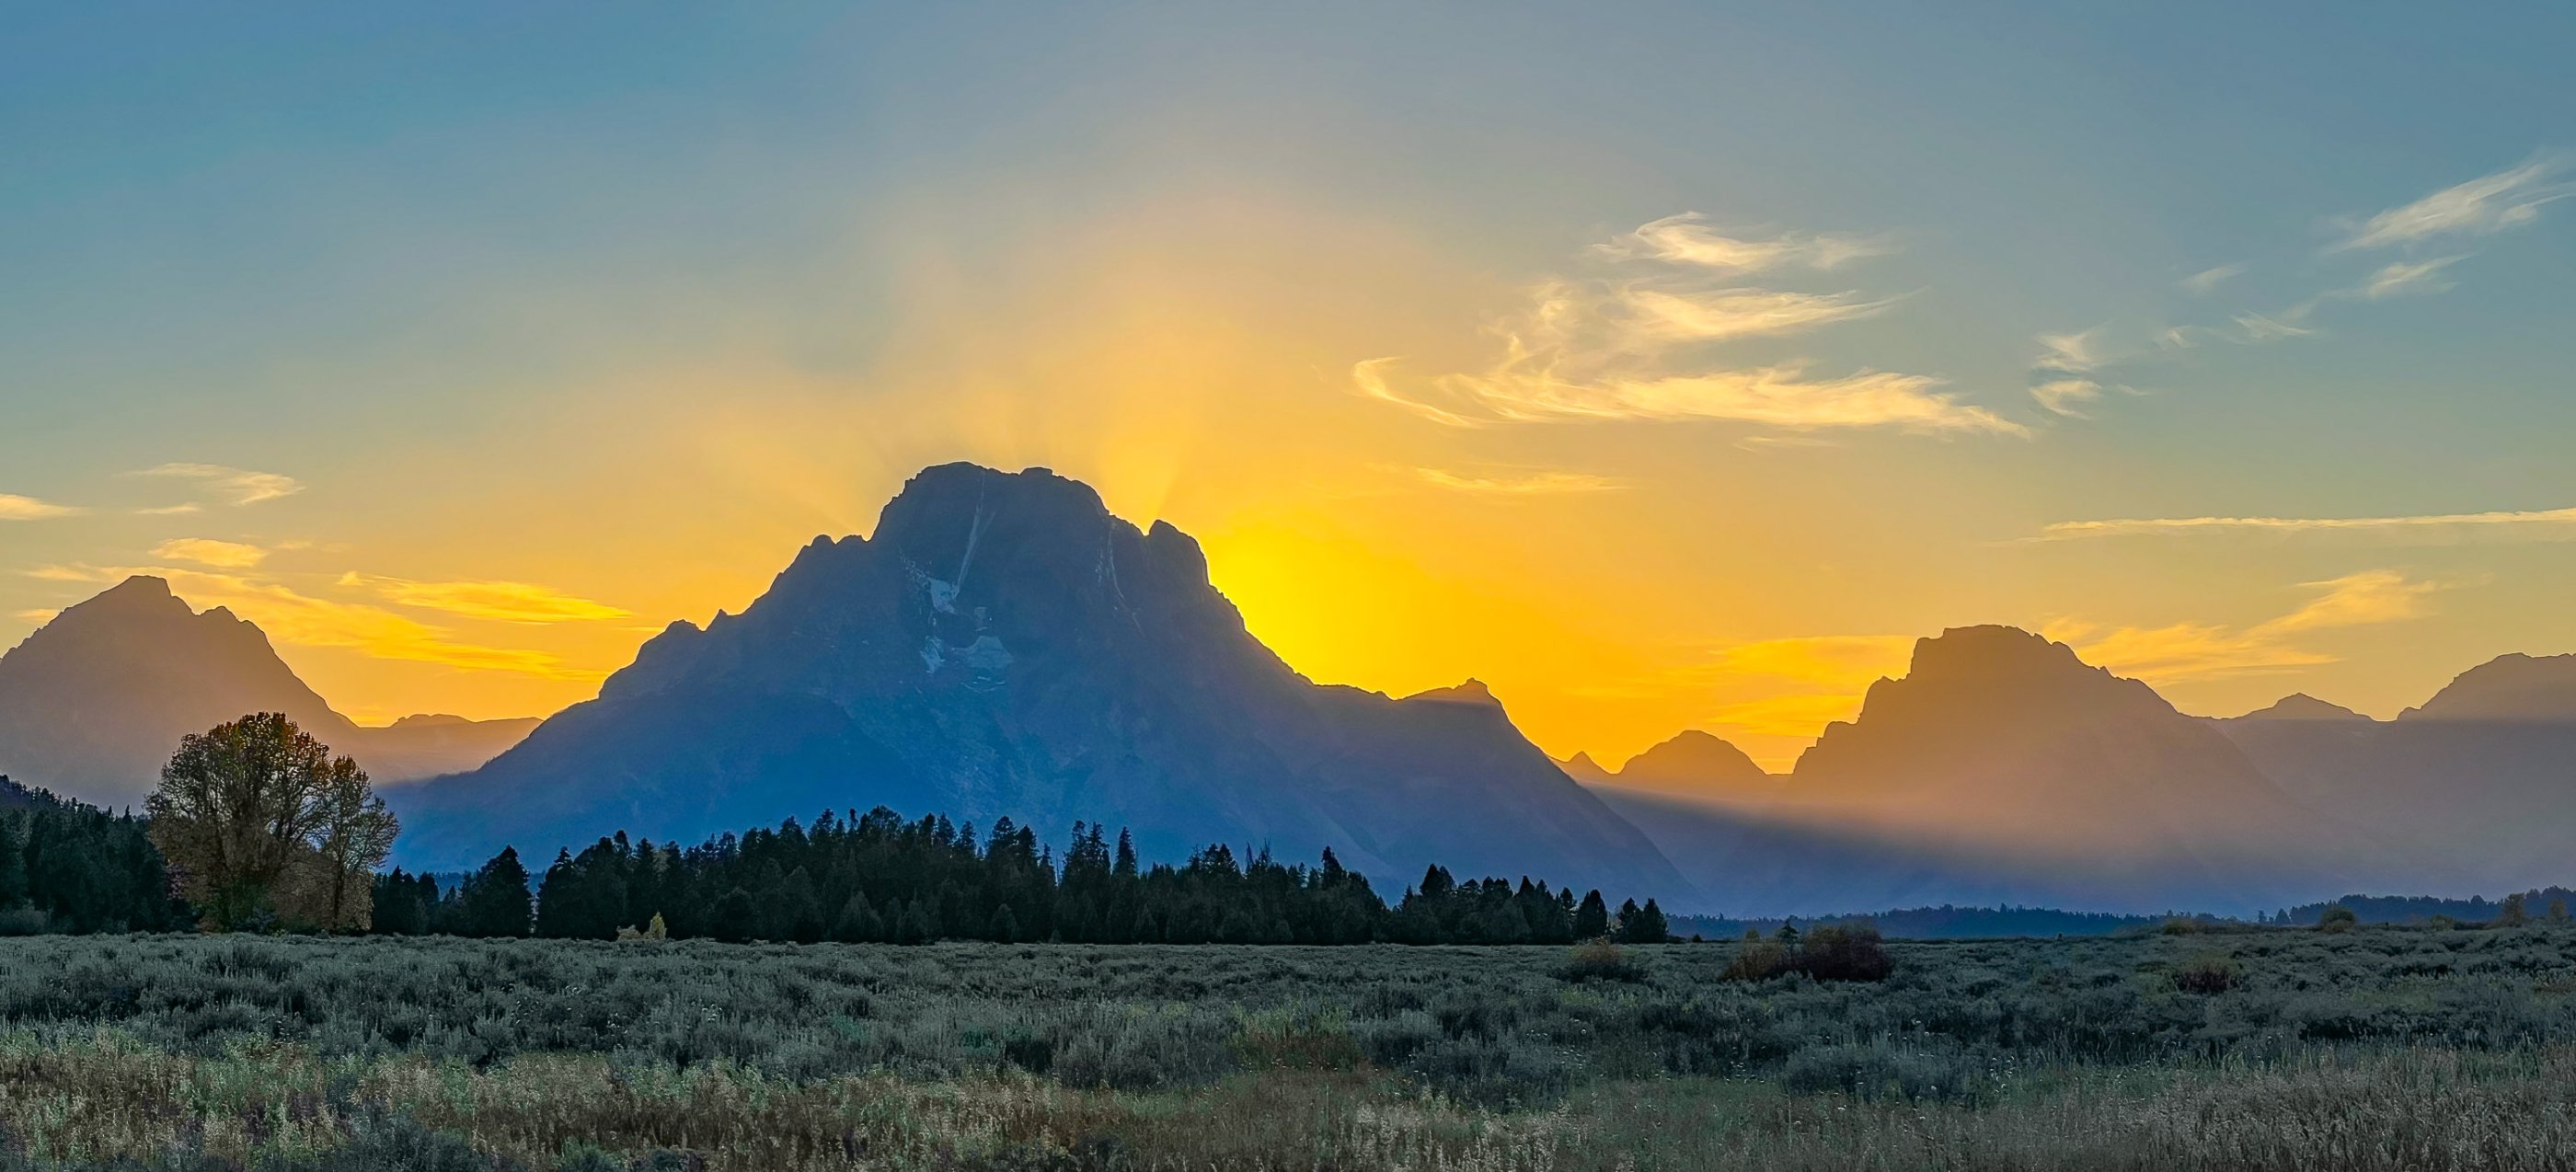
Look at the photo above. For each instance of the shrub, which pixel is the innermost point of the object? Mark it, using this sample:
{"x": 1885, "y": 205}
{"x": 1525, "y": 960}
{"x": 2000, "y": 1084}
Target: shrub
{"x": 2179, "y": 926}
{"x": 1845, "y": 952}
{"x": 1757, "y": 959}
{"x": 2337, "y": 919}
{"x": 2208, "y": 973}
{"x": 1296, "y": 1037}
{"x": 1599, "y": 960}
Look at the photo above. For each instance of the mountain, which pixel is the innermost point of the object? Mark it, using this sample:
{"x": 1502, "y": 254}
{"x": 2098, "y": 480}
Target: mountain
{"x": 430, "y": 744}
{"x": 2482, "y": 774}
{"x": 93, "y": 702}
{"x": 1581, "y": 767}
{"x": 2301, "y": 706}
{"x": 2509, "y": 689}
{"x": 1003, "y": 646}
{"x": 2003, "y": 768}
{"x": 1691, "y": 764}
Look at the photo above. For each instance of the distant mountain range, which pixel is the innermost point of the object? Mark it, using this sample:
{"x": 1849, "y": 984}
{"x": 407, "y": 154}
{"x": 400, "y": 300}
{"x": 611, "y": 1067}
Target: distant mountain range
{"x": 93, "y": 702}
{"x": 2002, "y": 769}
{"x": 1003, "y": 646}
{"x": 2483, "y": 774}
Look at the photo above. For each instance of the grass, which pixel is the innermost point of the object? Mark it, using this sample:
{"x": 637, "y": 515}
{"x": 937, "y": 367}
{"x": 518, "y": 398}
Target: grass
{"x": 2374, "y": 1048}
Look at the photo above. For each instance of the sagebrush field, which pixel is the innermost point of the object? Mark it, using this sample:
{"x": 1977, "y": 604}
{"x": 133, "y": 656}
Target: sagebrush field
{"x": 2374, "y": 1048}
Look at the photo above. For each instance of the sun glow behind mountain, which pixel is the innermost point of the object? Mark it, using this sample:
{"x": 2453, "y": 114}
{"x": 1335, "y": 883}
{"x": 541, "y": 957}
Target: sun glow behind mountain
{"x": 1650, "y": 418}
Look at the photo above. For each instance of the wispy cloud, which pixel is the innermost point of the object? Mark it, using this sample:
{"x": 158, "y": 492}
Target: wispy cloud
{"x": 36, "y": 617}
{"x": 1847, "y": 662}
{"x": 508, "y": 602}
{"x": 1687, "y": 239}
{"x": 1632, "y": 346}
{"x": 2198, "y": 651}
{"x": 229, "y": 555}
{"x": 1531, "y": 484}
{"x": 2356, "y": 600}
{"x": 181, "y": 509}
{"x": 2483, "y": 206}
{"x": 2064, "y": 395}
{"x": 237, "y": 486}
{"x": 2258, "y": 328}
{"x": 2206, "y": 281}
{"x": 1658, "y": 317}
{"x": 291, "y": 617}
{"x": 2183, "y": 651}
{"x": 2550, "y": 520}
{"x": 2073, "y": 353}
{"x": 2061, "y": 377}
{"x": 2405, "y": 277}
{"x": 26, "y": 508}
{"x": 1780, "y": 396}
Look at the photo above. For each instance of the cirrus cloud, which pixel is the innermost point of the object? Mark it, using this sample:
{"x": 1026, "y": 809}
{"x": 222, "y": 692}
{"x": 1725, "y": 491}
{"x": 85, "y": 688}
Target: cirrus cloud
{"x": 26, "y": 508}
{"x": 2183, "y": 652}
{"x": 2483, "y": 206}
{"x": 2543, "y": 524}
{"x": 230, "y": 555}
{"x": 1530, "y": 484}
{"x": 1634, "y": 346}
{"x": 237, "y": 486}
{"x": 507, "y": 602}
{"x": 1687, "y": 239}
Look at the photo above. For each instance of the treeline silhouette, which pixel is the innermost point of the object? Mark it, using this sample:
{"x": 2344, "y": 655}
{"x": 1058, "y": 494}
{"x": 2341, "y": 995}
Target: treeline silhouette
{"x": 877, "y": 878}
{"x": 69, "y": 867}
{"x": 2542, "y": 902}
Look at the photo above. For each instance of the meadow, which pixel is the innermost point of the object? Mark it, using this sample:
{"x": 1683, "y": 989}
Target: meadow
{"x": 2379, "y": 1047}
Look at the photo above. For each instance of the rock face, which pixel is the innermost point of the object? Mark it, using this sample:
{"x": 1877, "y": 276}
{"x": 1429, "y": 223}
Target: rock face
{"x": 1003, "y": 646}
{"x": 93, "y": 702}
{"x": 2002, "y": 766}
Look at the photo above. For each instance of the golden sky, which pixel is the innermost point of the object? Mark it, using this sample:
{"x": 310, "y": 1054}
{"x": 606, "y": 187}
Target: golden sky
{"x": 1662, "y": 378}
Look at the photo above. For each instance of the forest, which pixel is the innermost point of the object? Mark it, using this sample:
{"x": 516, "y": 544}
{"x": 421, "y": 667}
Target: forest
{"x": 877, "y": 878}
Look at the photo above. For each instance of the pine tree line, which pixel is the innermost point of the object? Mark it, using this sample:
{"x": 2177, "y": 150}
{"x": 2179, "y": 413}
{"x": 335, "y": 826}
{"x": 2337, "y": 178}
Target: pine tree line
{"x": 877, "y": 878}
{"x": 68, "y": 867}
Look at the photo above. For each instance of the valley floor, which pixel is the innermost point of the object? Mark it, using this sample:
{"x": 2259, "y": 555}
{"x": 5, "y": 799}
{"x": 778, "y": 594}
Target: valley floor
{"x": 2378, "y": 1048}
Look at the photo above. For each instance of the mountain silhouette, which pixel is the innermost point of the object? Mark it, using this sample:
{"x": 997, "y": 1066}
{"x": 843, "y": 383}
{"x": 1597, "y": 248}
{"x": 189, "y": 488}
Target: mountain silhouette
{"x": 2002, "y": 766}
{"x": 1690, "y": 764}
{"x": 2303, "y": 707}
{"x": 1002, "y": 646}
{"x": 95, "y": 700}
{"x": 2481, "y": 775}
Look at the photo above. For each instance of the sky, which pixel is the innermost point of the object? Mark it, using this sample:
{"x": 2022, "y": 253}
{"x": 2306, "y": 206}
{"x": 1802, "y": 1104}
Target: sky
{"x": 1663, "y": 367}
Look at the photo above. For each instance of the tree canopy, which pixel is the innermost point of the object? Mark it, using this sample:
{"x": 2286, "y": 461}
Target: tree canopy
{"x": 262, "y": 824}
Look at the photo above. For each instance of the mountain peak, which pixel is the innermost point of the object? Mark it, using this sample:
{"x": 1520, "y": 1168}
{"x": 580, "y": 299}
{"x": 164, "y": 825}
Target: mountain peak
{"x": 2302, "y": 706}
{"x": 1581, "y": 767}
{"x": 1991, "y": 652}
{"x": 1691, "y": 762}
{"x": 937, "y": 496}
{"x": 1471, "y": 691}
{"x": 2538, "y": 689}
{"x": 144, "y": 587}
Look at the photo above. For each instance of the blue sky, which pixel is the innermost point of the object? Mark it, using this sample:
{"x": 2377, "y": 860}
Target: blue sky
{"x": 618, "y": 304}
